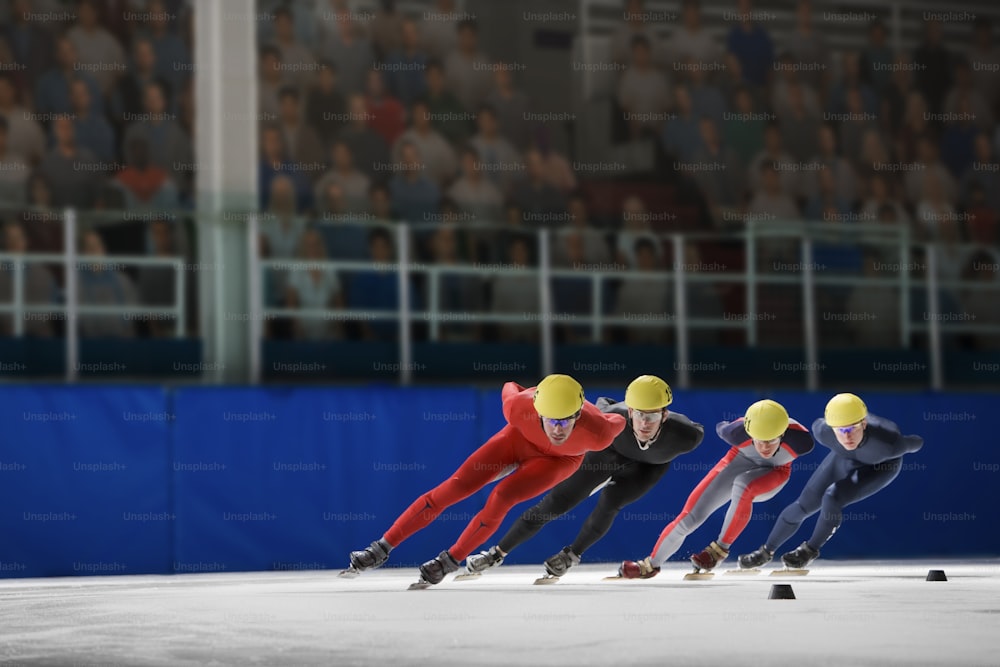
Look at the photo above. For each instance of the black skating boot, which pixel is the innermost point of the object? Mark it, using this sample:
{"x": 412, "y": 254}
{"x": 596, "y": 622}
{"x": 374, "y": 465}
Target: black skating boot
{"x": 371, "y": 556}
{"x": 559, "y": 564}
{"x": 756, "y": 558}
{"x": 433, "y": 571}
{"x": 800, "y": 558}
{"x": 478, "y": 563}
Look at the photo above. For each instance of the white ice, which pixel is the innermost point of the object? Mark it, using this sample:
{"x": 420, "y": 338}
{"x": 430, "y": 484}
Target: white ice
{"x": 844, "y": 614}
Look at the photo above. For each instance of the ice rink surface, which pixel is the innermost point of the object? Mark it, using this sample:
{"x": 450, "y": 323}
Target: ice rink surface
{"x": 845, "y": 613}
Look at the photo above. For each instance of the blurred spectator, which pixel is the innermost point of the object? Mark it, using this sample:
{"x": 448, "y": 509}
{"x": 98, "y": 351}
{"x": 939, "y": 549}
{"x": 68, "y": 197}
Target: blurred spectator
{"x": 643, "y": 297}
{"x": 935, "y": 215}
{"x": 407, "y": 66}
{"x": 38, "y": 285}
{"x": 439, "y": 30}
{"x": 326, "y": 105}
{"x": 13, "y": 171}
{"x": 643, "y": 93}
{"x": 386, "y": 29}
{"x": 856, "y": 124}
{"x": 771, "y": 201}
{"x": 875, "y": 308}
{"x": 169, "y": 147}
{"x": 703, "y": 299}
{"x": 896, "y": 96}
{"x": 378, "y": 288}
{"x": 270, "y": 81}
{"x": 881, "y": 195}
{"x": 43, "y": 237}
{"x": 982, "y": 269}
{"x": 743, "y": 131}
{"x": 692, "y": 43}
{"x": 636, "y": 224}
{"x": 436, "y": 153}
{"x": 635, "y": 25}
{"x": 984, "y": 172}
{"x": 964, "y": 99}
{"x": 721, "y": 176}
{"x": 92, "y": 130}
{"x": 572, "y": 295}
{"x": 30, "y": 44}
{"x": 467, "y": 69}
{"x": 367, "y": 146}
{"x": 934, "y": 63}
{"x": 774, "y": 155}
{"x": 516, "y": 293}
{"x": 157, "y": 284}
{"x": 327, "y": 22}
{"x": 481, "y": 202}
{"x": 458, "y": 293}
{"x": 145, "y": 185}
{"x": 874, "y": 153}
{"x": 73, "y": 172}
{"x": 984, "y": 56}
{"x": 852, "y": 79}
{"x": 101, "y": 283}
{"x": 100, "y": 52}
{"x": 707, "y": 100}
{"x": 25, "y": 135}
{"x": 380, "y": 203}
{"x": 345, "y": 238}
{"x": 556, "y": 169}
{"x": 313, "y": 286}
{"x": 126, "y": 100}
{"x": 538, "y": 200}
{"x": 353, "y": 184}
{"x": 983, "y": 217}
{"x": 296, "y": 58}
{"x": 826, "y": 202}
{"x": 496, "y": 155}
{"x": 511, "y": 106}
{"x": 958, "y": 139}
{"x": 680, "y": 134}
{"x": 844, "y": 179}
{"x": 927, "y": 163}
{"x": 915, "y": 125}
{"x": 595, "y": 244}
{"x": 448, "y": 115}
{"x": 787, "y": 79}
{"x": 274, "y": 163}
{"x": 810, "y": 48}
{"x": 799, "y": 126}
{"x": 415, "y": 197}
{"x": 752, "y": 46}
{"x": 876, "y": 58}
{"x": 281, "y": 225}
{"x": 302, "y": 142}
{"x": 52, "y": 91}
{"x": 173, "y": 57}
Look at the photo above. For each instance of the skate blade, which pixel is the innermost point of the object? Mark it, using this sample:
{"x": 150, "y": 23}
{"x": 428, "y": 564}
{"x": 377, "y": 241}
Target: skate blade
{"x": 419, "y": 585}
{"x": 614, "y": 577}
{"x": 467, "y": 575}
{"x": 698, "y": 576}
{"x": 788, "y": 572}
{"x": 349, "y": 573}
{"x": 745, "y": 573}
{"x": 546, "y": 579}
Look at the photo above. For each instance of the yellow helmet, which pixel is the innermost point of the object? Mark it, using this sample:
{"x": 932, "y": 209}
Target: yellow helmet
{"x": 765, "y": 420}
{"x": 558, "y": 397}
{"x": 844, "y": 410}
{"x": 648, "y": 393}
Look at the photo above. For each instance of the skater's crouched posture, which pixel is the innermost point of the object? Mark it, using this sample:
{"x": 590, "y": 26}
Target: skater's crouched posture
{"x": 622, "y": 473}
{"x": 549, "y": 429}
{"x": 866, "y": 454}
{"x": 758, "y": 465}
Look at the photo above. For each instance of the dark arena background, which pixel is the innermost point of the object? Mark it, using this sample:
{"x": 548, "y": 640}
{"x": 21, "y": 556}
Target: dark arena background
{"x": 266, "y": 266}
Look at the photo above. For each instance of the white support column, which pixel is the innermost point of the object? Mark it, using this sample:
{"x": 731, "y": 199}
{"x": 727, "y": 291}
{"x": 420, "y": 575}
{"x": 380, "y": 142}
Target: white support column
{"x": 405, "y": 343}
{"x": 809, "y": 316}
{"x": 225, "y": 77}
{"x": 680, "y": 299}
{"x": 933, "y": 316}
{"x": 545, "y": 301}
{"x": 72, "y": 299}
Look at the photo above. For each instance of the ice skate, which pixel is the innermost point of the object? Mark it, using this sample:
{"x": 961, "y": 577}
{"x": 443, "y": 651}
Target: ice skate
{"x": 751, "y": 563}
{"x": 476, "y": 564}
{"x": 433, "y": 571}
{"x": 558, "y": 565}
{"x": 705, "y": 560}
{"x": 642, "y": 569}
{"x": 796, "y": 561}
{"x": 374, "y": 555}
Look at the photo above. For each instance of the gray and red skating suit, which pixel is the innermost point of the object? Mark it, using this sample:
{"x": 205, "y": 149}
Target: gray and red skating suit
{"x": 629, "y": 469}
{"x": 844, "y": 477}
{"x": 521, "y": 444}
{"x": 741, "y": 477}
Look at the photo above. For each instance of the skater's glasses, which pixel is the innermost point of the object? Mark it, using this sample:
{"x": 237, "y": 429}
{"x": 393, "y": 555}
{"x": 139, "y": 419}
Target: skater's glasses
{"x": 559, "y": 423}
{"x": 649, "y": 417}
{"x": 847, "y": 430}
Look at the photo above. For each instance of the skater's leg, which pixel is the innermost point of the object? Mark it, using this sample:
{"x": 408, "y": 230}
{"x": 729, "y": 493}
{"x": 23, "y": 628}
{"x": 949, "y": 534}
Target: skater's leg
{"x": 710, "y": 494}
{"x": 806, "y": 504}
{"x": 626, "y": 487}
{"x": 596, "y": 468}
{"x": 860, "y": 484}
{"x": 476, "y": 472}
{"x": 752, "y": 486}
{"x": 534, "y": 476}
